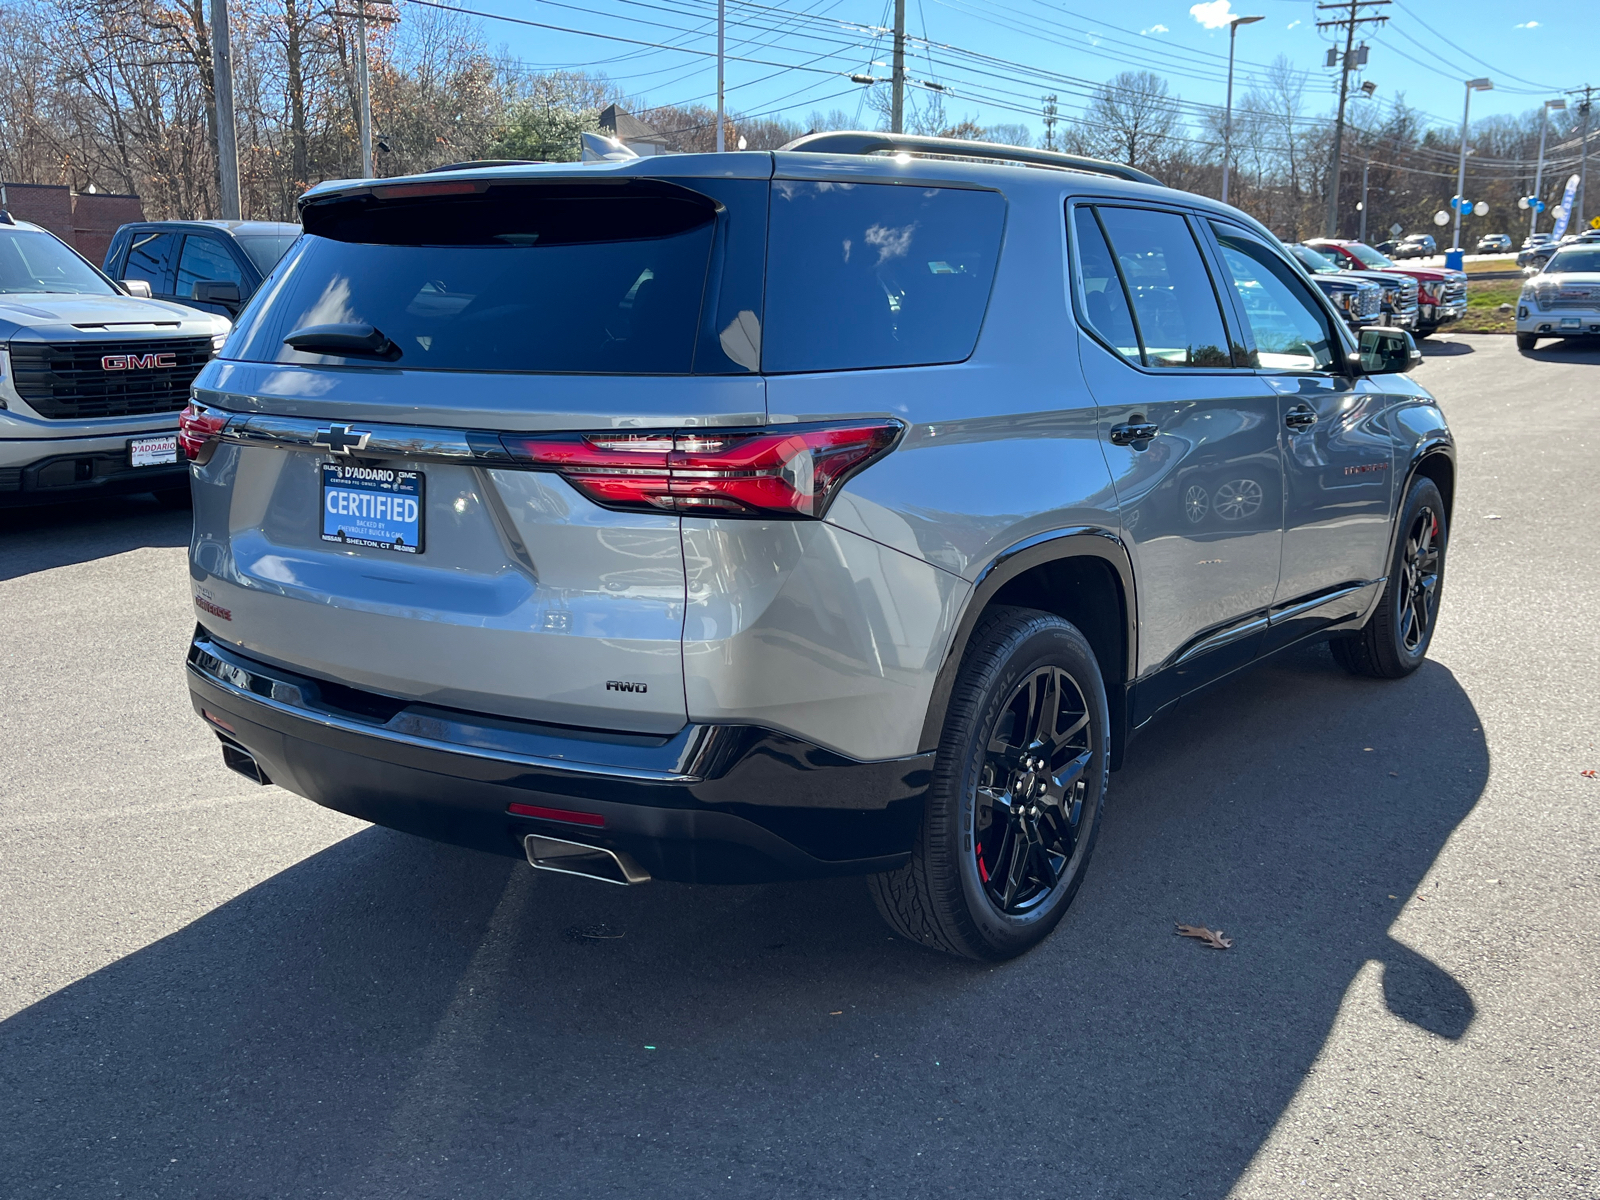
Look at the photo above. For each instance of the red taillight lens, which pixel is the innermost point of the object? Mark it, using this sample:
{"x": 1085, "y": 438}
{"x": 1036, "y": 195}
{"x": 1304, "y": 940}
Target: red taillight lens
{"x": 790, "y": 471}
{"x": 197, "y": 425}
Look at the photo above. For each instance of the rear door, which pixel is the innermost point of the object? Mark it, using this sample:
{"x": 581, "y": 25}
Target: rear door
{"x": 349, "y": 525}
{"x": 1191, "y": 436}
{"x": 206, "y": 258}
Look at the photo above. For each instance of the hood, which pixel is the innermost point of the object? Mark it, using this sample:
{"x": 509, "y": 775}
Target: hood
{"x": 1383, "y": 278}
{"x": 49, "y": 316}
{"x": 1568, "y": 279}
{"x": 1428, "y": 274}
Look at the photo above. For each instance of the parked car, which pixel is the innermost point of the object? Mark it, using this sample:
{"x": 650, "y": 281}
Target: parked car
{"x": 1397, "y": 293}
{"x": 214, "y": 266}
{"x": 1563, "y": 300}
{"x": 1441, "y": 292}
{"x": 1386, "y": 248}
{"x": 1494, "y": 243}
{"x": 695, "y": 517}
{"x": 1416, "y": 245}
{"x": 91, "y": 378}
{"x": 1536, "y": 239}
{"x": 1534, "y": 258}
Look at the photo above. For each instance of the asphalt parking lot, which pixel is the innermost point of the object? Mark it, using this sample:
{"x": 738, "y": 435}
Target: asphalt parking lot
{"x": 212, "y": 989}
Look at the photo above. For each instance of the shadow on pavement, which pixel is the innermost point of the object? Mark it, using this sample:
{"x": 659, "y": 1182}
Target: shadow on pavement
{"x": 43, "y": 536}
{"x": 1585, "y": 351}
{"x": 393, "y": 1018}
{"x": 1433, "y": 348}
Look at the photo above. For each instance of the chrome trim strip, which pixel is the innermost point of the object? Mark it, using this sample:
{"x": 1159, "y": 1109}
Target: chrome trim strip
{"x": 415, "y": 442}
{"x": 287, "y": 698}
{"x": 1301, "y": 607}
{"x": 1221, "y": 637}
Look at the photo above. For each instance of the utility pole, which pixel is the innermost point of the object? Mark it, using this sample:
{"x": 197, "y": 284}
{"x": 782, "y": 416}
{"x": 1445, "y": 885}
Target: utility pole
{"x": 722, "y": 27}
{"x": 897, "y": 104}
{"x": 1585, "y": 106}
{"x": 364, "y": 118}
{"x": 1366, "y": 165}
{"x": 1347, "y": 63}
{"x": 222, "y": 94}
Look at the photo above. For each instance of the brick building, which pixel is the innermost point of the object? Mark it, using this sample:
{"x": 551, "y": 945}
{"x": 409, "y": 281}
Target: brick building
{"x": 83, "y": 220}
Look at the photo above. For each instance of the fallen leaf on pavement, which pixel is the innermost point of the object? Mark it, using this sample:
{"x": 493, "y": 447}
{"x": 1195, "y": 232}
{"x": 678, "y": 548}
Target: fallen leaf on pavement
{"x": 1215, "y": 940}
{"x": 1588, "y": 774}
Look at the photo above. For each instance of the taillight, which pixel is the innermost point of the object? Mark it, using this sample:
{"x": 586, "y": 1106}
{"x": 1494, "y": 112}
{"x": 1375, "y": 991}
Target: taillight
{"x": 792, "y": 470}
{"x": 197, "y": 425}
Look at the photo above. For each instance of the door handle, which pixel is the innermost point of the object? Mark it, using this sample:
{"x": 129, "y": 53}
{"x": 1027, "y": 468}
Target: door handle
{"x": 1300, "y": 418}
{"x": 1133, "y": 432}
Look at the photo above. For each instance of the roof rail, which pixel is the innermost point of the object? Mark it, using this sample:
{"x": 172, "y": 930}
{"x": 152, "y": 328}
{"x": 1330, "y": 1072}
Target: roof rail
{"x": 483, "y": 162}
{"x": 867, "y": 143}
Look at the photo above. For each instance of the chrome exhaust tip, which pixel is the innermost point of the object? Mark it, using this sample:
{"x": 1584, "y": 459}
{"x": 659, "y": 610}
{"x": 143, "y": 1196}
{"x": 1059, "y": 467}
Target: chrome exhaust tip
{"x": 578, "y": 858}
{"x": 237, "y": 758}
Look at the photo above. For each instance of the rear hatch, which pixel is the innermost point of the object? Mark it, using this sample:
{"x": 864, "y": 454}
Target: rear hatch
{"x": 352, "y": 521}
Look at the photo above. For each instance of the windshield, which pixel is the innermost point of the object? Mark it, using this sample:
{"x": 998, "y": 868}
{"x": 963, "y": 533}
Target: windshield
{"x": 1578, "y": 258}
{"x": 1368, "y": 256}
{"x": 36, "y": 262}
{"x": 1317, "y": 264}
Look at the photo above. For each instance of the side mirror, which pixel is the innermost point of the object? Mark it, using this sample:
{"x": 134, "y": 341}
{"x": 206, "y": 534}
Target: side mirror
{"x": 216, "y": 291}
{"x": 137, "y": 287}
{"x": 1388, "y": 351}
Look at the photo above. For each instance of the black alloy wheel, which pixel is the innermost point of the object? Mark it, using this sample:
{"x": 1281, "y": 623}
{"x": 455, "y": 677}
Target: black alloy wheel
{"x": 1018, "y": 787}
{"x": 1031, "y": 788}
{"x": 1396, "y": 637}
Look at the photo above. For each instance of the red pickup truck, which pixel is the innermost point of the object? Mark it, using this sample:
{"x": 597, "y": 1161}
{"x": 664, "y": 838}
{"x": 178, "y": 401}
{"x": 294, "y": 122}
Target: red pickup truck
{"x": 1441, "y": 293}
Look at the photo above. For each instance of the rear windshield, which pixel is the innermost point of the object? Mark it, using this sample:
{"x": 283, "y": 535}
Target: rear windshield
{"x": 877, "y": 275}
{"x": 511, "y": 278}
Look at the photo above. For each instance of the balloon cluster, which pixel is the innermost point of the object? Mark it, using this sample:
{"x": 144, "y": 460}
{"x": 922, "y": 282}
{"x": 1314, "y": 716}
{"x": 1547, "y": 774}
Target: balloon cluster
{"x": 1532, "y": 202}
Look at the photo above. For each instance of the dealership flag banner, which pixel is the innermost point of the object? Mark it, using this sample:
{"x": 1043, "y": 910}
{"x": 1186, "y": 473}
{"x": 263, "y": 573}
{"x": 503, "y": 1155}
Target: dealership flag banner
{"x": 1564, "y": 213}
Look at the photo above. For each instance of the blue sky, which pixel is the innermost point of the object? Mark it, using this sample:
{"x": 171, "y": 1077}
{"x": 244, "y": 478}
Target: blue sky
{"x": 997, "y": 57}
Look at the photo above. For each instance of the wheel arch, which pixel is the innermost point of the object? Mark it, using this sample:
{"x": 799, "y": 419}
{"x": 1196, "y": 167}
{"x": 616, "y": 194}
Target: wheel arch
{"x": 1083, "y": 575}
{"x": 1435, "y": 460}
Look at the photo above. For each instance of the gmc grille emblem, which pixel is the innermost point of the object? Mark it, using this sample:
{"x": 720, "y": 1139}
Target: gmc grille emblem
{"x": 621, "y": 685}
{"x": 138, "y": 362}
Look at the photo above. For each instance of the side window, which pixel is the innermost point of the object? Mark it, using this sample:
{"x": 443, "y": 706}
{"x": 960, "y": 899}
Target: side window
{"x": 1105, "y": 303}
{"x": 1179, "y": 319}
{"x": 1290, "y": 328}
{"x": 206, "y": 260}
{"x": 147, "y": 259}
{"x": 877, "y": 275}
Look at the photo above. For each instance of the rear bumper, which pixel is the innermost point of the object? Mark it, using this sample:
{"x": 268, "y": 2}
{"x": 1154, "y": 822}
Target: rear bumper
{"x": 711, "y": 804}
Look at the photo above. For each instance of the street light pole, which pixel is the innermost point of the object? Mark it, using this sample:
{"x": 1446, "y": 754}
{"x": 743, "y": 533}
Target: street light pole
{"x": 1473, "y": 85}
{"x": 1227, "y": 120}
{"x": 1538, "y": 175}
{"x": 365, "y": 115}
{"x": 1366, "y": 165}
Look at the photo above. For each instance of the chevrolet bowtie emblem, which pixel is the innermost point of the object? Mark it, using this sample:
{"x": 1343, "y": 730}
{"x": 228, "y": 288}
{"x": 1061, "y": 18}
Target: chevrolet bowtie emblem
{"x": 340, "y": 439}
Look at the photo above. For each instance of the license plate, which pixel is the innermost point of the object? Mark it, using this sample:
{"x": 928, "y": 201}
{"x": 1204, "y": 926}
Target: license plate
{"x": 372, "y": 506}
{"x": 153, "y": 451}
{"x": 1570, "y": 322}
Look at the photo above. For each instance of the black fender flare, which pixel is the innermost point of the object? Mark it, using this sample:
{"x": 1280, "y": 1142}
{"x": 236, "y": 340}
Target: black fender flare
{"x": 1093, "y": 541}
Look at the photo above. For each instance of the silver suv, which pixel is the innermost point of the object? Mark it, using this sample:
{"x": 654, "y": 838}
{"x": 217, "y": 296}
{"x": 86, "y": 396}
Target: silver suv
{"x": 91, "y": 378}
{"x": 727, "y": 518}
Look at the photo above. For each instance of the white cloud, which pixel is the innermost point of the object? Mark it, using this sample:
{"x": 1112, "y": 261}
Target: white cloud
{"x": 1527, "y": 25}
{"x": 1213, "y": 14}
{"x": 1154, "y": 29}
{"x": 1292, "y": 24}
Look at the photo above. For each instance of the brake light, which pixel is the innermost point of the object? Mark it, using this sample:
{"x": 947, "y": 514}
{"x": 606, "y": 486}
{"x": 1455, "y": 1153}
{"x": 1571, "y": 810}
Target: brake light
{"x": 792, "y": 470}
{"x": 197, "y": 425}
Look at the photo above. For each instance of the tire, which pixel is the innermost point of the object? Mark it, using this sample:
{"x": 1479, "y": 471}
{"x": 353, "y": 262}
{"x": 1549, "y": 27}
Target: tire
{"x": 1426, "y": 331}
{"x": 1527, "y": 341}
{"x": 1396, "y": 637}
{"x": 173, "y": 497}
{"x": 946, "y": 897}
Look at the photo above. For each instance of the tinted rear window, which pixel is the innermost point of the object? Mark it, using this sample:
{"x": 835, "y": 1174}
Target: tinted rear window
{"x": 265, "y": 249}
{"x": 515, "y": 278}
{"x": 877, "y": 275}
